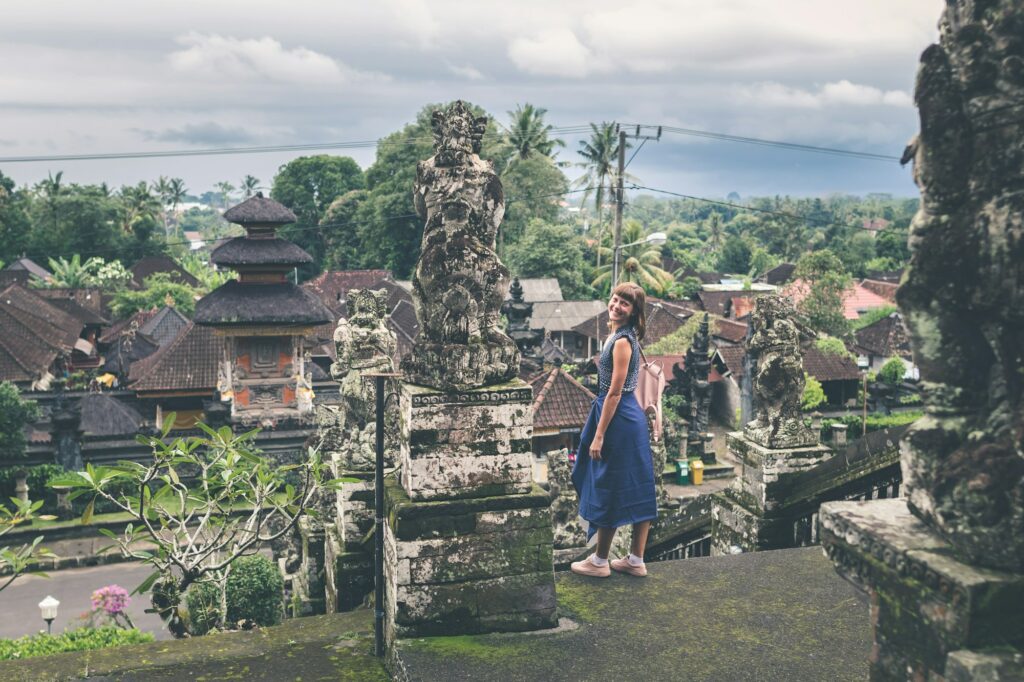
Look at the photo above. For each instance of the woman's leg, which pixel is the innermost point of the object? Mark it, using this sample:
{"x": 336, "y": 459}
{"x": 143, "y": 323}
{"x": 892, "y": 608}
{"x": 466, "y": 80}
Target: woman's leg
{"x": 604, "y": 541}
{"x": 639, "y": 538}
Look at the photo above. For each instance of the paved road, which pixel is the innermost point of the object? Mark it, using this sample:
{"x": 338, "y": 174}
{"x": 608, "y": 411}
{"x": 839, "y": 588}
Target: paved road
{"x": 73, "y": 587}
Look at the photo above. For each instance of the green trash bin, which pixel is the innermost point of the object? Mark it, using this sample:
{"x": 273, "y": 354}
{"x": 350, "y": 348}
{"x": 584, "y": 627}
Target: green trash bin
{"x": 682, "y": 472}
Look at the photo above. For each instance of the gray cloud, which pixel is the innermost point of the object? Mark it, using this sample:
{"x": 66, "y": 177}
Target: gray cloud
{"x": 209, "y": 133}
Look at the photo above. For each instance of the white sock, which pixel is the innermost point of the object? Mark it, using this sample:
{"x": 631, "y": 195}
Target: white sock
{"x": 634, "y": 560}
{"x": 597, "y": 561}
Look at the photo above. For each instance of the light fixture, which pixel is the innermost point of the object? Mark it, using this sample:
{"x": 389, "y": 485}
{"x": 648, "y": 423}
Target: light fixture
{"x": 48, "y": 607}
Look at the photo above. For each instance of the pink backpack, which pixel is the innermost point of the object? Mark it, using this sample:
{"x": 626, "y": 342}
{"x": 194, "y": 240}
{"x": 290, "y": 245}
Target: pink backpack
{"x": 650, "y": 384}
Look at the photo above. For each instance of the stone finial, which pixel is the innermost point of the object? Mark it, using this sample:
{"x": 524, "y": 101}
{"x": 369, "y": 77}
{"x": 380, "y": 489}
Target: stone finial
{"x": 778, "y": 386}
{"x": 459, "y": 283}
{"x": 963, "y": 296}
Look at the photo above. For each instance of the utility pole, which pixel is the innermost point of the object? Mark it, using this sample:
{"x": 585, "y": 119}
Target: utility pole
{"x": 620, "y": 194}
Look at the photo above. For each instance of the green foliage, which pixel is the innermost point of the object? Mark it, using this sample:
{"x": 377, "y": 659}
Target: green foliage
{"x": 158, "y": 290}
{"x": 204, "y": 608}
{"x": 19, "y": 560}
{"x": 39, "y": 477}
{"x": 875, "y": 422}
{"x": 15, "y": 413}
{"x": 685, "y": 289}
{"x": 826, "y": 283}
{"x": 528, "y": 135}
{"x": 872, "y": 316}
{"x": 533, "y": 187}
{"x": 833, "y": 346}
{"x": 679, "y": 341}
{"x": 255, "y": 591}
{"x": 343, "y": 250}
{"x": 892, "y": 244}
{"x": 551, "y": 250}
{"x": 814, "y": 394}
{"x": 892, "y": 371}
{"x": 307, "y": 186}
{"x": 200, "y": 268}
{"x": 639, "y": 263}
{"x": 82, "y": 639}
{"x": 735, "y": 256}
{"x": 761, "y": 261}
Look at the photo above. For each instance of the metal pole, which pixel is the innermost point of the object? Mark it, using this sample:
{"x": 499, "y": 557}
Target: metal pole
{"x": 378, "y": 550}
{"x": 616, "y": 255}
{"x": 864, "y": 419}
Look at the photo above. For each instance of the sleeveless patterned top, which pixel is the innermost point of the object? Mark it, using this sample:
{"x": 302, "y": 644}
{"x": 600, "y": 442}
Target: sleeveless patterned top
{"x": 604, "y": 363}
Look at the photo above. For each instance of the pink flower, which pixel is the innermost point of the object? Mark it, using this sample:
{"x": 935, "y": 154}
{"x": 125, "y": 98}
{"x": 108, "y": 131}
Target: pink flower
{"x": 113, "y": 599}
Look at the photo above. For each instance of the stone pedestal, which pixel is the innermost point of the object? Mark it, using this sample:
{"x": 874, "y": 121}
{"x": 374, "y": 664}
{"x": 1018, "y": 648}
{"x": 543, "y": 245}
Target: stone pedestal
{"x": 473, "y": 443}
{"x": 468, "y": 542}
{"x": 752, "y": 515}
{"x": 934, "y": 617}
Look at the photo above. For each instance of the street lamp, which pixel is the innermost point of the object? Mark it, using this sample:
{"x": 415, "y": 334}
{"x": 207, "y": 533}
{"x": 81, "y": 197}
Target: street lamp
{"x": 654, "y": 239}
{"x": 49, "y": 608}
{"x": 863, "y": 363}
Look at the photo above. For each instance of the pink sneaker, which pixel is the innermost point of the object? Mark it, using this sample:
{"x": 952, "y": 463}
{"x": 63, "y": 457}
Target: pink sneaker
{"x": 623, "y": 566}
{"x": 587, "y": 567}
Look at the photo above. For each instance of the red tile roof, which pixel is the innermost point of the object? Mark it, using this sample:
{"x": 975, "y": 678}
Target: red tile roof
{"x": 820, "y": 365}
{"x": 33, "y": 333}
{"x": 886, "y": 290}
{"x": 559, "y": 401}
{"x": 332, "y": 287}
{"x": 856, "y": 301}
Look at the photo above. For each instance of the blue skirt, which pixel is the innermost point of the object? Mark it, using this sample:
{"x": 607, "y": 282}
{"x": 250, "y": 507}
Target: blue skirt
{"x": 618, "y": 489}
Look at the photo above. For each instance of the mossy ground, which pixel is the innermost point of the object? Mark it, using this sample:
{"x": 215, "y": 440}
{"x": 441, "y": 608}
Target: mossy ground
{"x": 335, "y": 647}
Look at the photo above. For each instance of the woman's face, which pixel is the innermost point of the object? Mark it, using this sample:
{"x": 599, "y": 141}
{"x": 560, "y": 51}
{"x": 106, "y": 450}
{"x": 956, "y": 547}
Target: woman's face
{"x": 619, "y": 310}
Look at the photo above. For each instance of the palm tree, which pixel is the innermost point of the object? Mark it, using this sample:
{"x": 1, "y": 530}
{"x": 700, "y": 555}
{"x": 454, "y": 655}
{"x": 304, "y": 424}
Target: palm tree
{"x": 226, "y": 188}
{"x": 176, "y": 195}
{"x": 600, "y": 154}
{"x": 641, "y": 263}
{"x": 162, "y": 187}
{"x": 138, "y": 204}
{"x": 72, "y": 274}
{"x": 249, "y": 186}
{"x": 51, "y": 191}
{"x": 714, "y": 225}
{"x": 527, "y": 132}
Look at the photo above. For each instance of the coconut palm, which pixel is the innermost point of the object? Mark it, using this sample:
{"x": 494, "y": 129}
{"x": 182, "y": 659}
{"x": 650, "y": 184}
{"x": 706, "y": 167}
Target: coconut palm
{"x": 600, "y": 154}
{"x": 714, "y": 227}
{"x": 528, "y": 133}
{"x": 640, "y": 263}
{"x": 176, "y": 195}
{"x": 226, "y": 189}
{"x": 249, "y": 186}
{"x": 51, "y": 190}
{"x": 162, "y": 187}
{"x": 138, "y": 203}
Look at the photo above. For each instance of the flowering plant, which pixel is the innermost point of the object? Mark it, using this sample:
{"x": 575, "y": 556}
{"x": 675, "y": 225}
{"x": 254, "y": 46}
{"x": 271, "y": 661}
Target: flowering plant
{"x": 110, "y": 603}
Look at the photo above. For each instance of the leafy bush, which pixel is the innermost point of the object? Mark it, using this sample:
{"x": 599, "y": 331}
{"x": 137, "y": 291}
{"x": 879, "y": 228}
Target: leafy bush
{"x": 814, "y": 394}
{"x": 872, "y": 316}
{"x": 15, "y": 412}
{"x": 81, "y": 639}
{"x": 832, "y": 346}
{"x": 38, "y": 476}
{"x": 203, "y": 601}
{"x": 892, "y": 371}
{"x": 875, "y": 422}
{"x": 255, "y": 591}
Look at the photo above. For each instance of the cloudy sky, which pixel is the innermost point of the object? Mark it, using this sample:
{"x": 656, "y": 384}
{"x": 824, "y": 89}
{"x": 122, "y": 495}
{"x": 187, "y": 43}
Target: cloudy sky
{"x": 118, "y": 76}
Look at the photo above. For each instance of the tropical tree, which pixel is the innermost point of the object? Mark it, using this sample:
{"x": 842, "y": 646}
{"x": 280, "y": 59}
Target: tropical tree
{"x": 139, "y": 205}
{"x": 600, "y": 154}
{"x": 249, "y": 186}
{"x": 225, "y": 189}
{"x": 714, "y": 228}
{"x": 551, "y": 250}
{"x": 16, "y": 561}
{"x": 158, "y": 290}
{"x": 826, "y": 282}
{"x": 528, "y": 134}
{"x": 51, "y": 191}
{"x": 641, "y": 263}
{"x": 162, "y": 187}
{"x": 70, "y": 274}
{"x": 15, "y": 413}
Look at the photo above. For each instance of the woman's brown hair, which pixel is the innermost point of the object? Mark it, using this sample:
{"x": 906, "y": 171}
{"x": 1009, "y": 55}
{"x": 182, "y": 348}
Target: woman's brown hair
{"x": 628, "y": 291}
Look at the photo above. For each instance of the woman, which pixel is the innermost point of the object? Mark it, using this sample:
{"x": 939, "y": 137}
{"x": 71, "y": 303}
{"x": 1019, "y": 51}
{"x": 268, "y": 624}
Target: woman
{"x": 614, "y": 474}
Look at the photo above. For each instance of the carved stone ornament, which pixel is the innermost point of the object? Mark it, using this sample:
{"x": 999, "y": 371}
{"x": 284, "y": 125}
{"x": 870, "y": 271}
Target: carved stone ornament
{"x": 459, "y": 283}
{"x": 778, "y": 377}
{"x": 963, "y": 297}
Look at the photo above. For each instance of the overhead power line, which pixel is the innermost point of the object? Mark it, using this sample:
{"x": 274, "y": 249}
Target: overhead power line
{"x": 781, "y": 145}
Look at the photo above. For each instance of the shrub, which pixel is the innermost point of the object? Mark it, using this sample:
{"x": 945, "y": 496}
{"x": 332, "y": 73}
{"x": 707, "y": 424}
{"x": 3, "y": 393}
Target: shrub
{"x": 833, "y": 346}
{"x": 892, "y": 371}
{"x": 81, "y": 639}
{"x": 203, "y": 601}
{"x": 814, "y": 394}
{"x": 255, "y": 591}
{"x": 875, "y": 422}
{"x": 38, "y": 476}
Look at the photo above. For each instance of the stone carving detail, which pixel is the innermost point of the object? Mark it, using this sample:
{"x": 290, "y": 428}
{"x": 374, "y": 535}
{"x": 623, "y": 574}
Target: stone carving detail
{"x": 564, "y": 504}
{"x": 459, "y": 283}
{"x": 527, "y": 340}
{"x": 963, "y": 297}
{"x": 364, "y": 344}
{"x": 779, "y": 377}
{"x": 698, "y": 367}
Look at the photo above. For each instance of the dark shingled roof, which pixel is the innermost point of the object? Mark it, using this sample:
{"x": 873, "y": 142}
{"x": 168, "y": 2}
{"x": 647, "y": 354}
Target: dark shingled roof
{"x": 114, "y": 331}
{"x": 886, "y": 337}
{"x": 732, "y": 356}
{"x": 331, "y": 287}
{"x": 32, "y": 334}
{"x": 780, "y": 274}
{"x": 86, "y": 305}
{"x": 239, "y": 303}
{"x": 829, "y": 366}
{"x": 406, "y": 325}
{"x": 103, "y": 415}
{"x": 663, "y": 318}
{"x": 164, "y": 325}
{"x": 126, "y": 350}
{"x": 886, "y": 290}
{"x": 30, "y": 266}
{"x": 150, "y": 265}
{"x": 259, "y": 210}
{"x": 559, "y": 400}
{"x": 189, "y": 363}
{"x": 716, "y": 302}
{"x": 259, "y": 251}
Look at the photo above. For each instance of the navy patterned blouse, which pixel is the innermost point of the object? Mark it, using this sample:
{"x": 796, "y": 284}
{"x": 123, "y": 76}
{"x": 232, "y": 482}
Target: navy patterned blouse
{"x": 604, "y": 364}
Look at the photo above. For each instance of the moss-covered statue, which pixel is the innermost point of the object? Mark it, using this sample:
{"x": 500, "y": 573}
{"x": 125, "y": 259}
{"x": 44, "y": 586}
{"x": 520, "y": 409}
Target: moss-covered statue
{"x": 774, "y": 348}
{"x": 963, "y": 296}
{"x": 459, "y": 283}
{"x": 364, "y": 343}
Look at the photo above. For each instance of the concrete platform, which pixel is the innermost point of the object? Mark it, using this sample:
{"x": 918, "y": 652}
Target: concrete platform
{"x": 783, "y": 615}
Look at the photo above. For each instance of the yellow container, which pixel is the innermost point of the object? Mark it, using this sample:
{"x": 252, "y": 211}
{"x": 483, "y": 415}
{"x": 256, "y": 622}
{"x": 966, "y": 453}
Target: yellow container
{"x": 696, "y": 471}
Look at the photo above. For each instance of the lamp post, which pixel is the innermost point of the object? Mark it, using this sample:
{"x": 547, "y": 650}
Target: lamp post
{"x": 864, "y": 363}
{"x": 48, "y": 607}
{"x": 654, "y": 239}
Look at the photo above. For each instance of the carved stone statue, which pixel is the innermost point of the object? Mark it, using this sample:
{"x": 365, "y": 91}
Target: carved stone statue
{"x": 364, "y": 343}
{"x": 527, "y": 340}
{"x": 459, "y": 283}
{"x": 698, "y": 367}
{"x": 778, "y": 377}
{"x": 963, "y": 297}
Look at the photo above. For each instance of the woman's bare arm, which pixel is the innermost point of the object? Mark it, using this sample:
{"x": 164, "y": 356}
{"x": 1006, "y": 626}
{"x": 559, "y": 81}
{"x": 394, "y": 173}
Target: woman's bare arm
{"x": 622, "y": 352}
